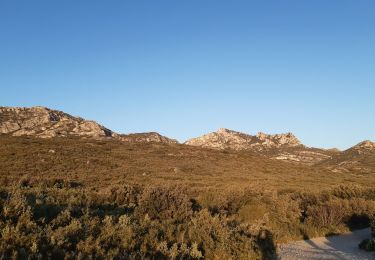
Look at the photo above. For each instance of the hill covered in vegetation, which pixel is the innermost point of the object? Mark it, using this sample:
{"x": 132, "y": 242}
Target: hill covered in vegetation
{"x": 77, "y": 198}
{"x": 145, "y": 196}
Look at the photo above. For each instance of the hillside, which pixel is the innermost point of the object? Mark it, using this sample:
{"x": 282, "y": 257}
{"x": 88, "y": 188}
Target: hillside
{"x": 279, "y": 146}
{"x": 145, "y": 196}
{"x": 99, "y": 163}
{"x": 147, "y": 138}
{"x": 358, "y": 159}
{"x": 43, "y": 122}
{"x": 46, "y": 123}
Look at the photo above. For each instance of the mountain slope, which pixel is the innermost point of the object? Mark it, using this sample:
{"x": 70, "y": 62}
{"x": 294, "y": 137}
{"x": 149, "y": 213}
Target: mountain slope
{"x": 47, "y": 123}
{"x": 359, "y": 158}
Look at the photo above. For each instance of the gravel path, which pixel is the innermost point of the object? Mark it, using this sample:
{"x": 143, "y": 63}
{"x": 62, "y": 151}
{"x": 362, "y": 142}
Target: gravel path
{"x": 343, "y": 247}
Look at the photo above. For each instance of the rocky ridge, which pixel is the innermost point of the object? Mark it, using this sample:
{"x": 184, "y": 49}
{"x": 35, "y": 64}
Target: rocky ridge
{"x": 284, "y": 147}
{"x": 146, "y": 138}
{"x": 229, "y": 139}
{"x": 46, "y": 123}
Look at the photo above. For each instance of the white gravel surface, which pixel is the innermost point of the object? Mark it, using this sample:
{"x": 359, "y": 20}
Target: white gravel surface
{"x": 343, "y": 246}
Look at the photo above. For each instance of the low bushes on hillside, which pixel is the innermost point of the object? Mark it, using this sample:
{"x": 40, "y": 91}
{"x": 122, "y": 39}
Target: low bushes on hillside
{"x": 46, "y": 220}
{"x": 158, "y": 223}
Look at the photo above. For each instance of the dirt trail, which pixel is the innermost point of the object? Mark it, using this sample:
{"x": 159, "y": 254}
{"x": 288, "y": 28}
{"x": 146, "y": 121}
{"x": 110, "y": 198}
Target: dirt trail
{"x": 343, "y": 247}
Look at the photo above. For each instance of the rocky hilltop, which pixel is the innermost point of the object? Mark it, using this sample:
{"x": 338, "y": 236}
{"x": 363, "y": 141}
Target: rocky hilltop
{"x": 363, "y": 147}
{"x": 146, "y": 138}
{"x": 284, "y": 147}
{"x": 229, "y": 139}
{"x": 46, "y": 123}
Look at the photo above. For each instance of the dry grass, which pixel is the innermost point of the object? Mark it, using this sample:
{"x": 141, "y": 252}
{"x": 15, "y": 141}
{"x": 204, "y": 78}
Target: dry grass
{"x": 98, "y": 164}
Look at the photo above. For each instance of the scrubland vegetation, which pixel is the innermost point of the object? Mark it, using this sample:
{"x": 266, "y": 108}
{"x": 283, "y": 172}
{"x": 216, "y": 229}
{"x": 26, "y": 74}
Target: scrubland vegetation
{"x": 79, "y": 199}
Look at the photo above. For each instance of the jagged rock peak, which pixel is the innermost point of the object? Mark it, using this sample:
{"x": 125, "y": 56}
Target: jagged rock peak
{"x": 229, "y": 139}
{"x": 46, "y": 123}
{"x": 147, "y": 137}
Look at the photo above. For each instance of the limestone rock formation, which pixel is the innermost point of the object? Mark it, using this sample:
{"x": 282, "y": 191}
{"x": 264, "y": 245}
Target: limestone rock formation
{"x": 285, "y": 147}
{"x": 47, "y": 123}
{"x": 229, "y": 139}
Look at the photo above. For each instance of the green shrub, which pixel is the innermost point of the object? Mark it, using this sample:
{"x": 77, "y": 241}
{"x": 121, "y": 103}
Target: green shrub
{"x": 165, "y": 203}
{"x": 167, "y": 222}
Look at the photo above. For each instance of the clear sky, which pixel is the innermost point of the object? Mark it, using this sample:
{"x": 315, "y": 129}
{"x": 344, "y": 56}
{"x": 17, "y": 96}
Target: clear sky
{"x": 184, "y": 68}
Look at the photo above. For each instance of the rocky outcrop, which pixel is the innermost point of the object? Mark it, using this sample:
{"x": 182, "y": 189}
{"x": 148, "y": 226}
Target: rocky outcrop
{"x": 47, "y": 123}
{"x": 304, "y": 155}
{"x": 363, "y": 147}
{"x": 147, "y": 138}
{"x": 229, "y": 139}
{"x": 284, "y": 147}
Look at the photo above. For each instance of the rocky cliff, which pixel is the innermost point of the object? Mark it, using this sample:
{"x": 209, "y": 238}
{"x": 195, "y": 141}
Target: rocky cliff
{"x": 47, "y": 123}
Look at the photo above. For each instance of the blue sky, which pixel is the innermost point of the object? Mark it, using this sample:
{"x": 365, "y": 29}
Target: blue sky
{"x": 184, "y": 68}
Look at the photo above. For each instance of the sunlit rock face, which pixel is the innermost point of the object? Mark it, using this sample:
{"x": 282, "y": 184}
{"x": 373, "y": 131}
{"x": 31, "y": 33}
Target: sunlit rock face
{"x": 47, "y": 123}
{"x": 229, "y": 139}
{"x": 284, "y": 147}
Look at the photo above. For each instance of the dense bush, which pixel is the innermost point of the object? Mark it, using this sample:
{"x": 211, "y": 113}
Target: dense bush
{"x": 133, "y": 223}
{"x": 165, "y": 203}
{"x": 59, "y": 220}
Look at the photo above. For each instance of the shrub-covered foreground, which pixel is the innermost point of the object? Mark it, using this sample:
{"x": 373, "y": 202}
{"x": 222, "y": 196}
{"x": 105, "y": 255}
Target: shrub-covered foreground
{"x": 59, "y": 219}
